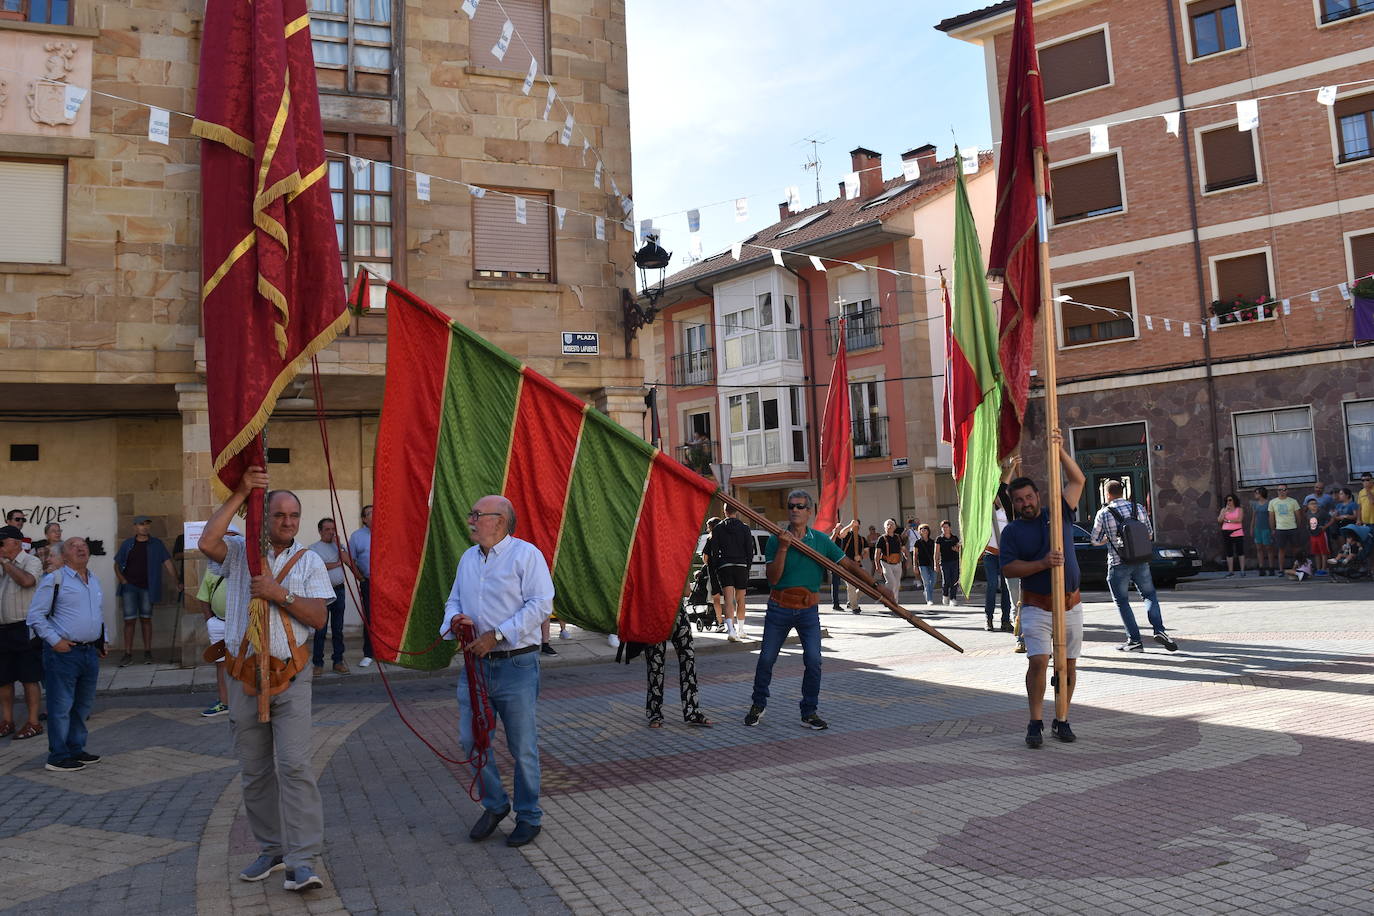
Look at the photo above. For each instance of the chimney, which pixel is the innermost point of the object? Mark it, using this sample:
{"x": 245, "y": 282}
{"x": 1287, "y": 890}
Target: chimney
{"x": 869, "y": 165}
{"x": 784, "y": 211}
{"x": 924, "y": 156}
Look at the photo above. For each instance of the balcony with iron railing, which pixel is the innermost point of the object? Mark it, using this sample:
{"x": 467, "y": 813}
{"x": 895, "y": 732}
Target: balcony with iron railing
{"x": 695, "y": 367}
{"x": 870, "y": 438}
{"x": 862, "y": 330}
{"x": 698, "y": 455}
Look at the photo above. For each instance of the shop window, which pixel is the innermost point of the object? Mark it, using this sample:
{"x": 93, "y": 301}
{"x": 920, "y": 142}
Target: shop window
{"x": 503, "y": 249}
{"x": 352, "y": 41}
{"x": 1228, "y": 158}
{"x": 1075, "y": 65}
{"x": 35, "y": 196}
{"x": 1113, "y": 320}
{"x": 1088, "y": 188}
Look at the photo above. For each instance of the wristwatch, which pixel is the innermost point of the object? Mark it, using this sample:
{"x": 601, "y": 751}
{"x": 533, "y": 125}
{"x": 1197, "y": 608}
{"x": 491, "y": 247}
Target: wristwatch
{"x": 498, "y": 635}
{"x": 289, "y": 600}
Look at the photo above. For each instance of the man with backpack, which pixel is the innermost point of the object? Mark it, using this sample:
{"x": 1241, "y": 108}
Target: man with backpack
{"x": 1124, "y": 527}
{"x": 731, "y": 548}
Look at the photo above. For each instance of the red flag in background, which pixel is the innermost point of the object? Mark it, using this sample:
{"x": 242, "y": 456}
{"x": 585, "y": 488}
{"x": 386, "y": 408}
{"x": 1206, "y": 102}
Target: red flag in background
{"x": 273, "y": 295}
{"x": 837, "y": 443}
{"x": 1013, "y": 255}
{"x": 947, "y": 402}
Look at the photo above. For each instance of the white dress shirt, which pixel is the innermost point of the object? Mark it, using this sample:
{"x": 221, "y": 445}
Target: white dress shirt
{"x": 307, "y": 579}
{"x": 507, "y": 589}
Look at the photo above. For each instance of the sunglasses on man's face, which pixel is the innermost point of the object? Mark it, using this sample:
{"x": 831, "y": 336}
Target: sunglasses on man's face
{"x": 798, "y": 507}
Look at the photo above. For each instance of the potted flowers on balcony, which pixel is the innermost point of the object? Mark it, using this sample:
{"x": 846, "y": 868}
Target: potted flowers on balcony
{"x": 1240, "y": 309}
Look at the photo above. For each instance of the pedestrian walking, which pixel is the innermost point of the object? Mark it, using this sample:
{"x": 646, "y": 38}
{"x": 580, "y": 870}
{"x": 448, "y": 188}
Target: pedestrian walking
{"x": 924, "y": 558}
{"x": 732, "y": 551}
{"x": 793, "y": 604}
{"x": 503, "y": 591}
{"x": 1129, "y": 561}
{"x": 1027, "y": 555}
{"x": 889, "y": 550}
{"x": 1232, "y": 521}
{"x": 65, "y": 613}
{"x": 1266, "y": 554}
{"x": 950, "y": 548}
{"x": 280, "y": 795}
{"x": 654, "y": 659}
{"x": 360, "y": 552}
{"x": 856, "y": 547}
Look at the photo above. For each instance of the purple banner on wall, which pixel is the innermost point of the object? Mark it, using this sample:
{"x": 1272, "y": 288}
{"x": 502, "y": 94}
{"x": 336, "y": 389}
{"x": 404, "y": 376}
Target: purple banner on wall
{"x": 1364, "y": 319}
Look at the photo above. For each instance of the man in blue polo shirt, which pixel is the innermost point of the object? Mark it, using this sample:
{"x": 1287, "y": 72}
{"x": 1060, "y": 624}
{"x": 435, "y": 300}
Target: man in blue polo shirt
{"x": 793, "y": 604}
{"x": 1026, "y": 555}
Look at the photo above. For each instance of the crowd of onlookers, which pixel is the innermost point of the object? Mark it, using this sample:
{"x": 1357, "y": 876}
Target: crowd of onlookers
{"x": 1320, "y": 534}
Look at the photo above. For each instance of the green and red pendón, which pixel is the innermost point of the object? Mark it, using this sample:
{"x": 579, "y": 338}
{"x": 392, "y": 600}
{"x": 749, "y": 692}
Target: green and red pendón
{"x": 616, "y": 520}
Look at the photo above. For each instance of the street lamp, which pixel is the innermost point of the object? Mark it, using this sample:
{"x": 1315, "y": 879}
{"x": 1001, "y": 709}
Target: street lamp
{"x": 650, "y": 258}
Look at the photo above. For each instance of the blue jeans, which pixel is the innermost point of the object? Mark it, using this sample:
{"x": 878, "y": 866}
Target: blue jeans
{"x": 778, "y": 621}
{"x": 365, "y": 609}
{"x": 333, "y": 620}
{"x": 136, "y": 602}
{"x": 512, "y": 686}
{"x": 69, "y": 679}
{"x": 834, "y": 590}
{"x": 928, "y": 582}
{"x": 949, "y": 580}
{"x": 1119, "y": 579}
{"x": 992, "y": 570}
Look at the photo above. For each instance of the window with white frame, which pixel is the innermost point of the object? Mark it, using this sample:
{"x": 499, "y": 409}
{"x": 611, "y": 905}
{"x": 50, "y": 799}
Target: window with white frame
{"x": 798, "y": 417}
{"x": 755, "y": 428}
{"x": 1214, "y": 26}
{"x": 1359, "y": 436}
{"x": 866, "y": 412}
{"x": 1354, "y": 126}
{"x": 1275, "y": 446}
{"x": 740, "y": 338}
{"x": 1336, "y": 10}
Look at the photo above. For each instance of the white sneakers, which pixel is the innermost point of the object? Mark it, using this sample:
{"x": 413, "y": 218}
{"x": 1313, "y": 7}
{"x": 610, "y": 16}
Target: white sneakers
{"x": 613, "y": 641}
{"x": 367, "y": 660}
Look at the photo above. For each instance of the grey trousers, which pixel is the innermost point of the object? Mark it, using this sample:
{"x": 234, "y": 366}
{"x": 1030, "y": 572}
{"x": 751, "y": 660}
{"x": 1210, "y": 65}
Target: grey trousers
{"x": 284, "y": 807}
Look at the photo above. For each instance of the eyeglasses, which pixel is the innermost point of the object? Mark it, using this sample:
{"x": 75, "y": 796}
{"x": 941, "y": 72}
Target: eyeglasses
{"x": 475, "y": 514}
{"x": 21, "y": 521}
{"x": 799, "y": 507}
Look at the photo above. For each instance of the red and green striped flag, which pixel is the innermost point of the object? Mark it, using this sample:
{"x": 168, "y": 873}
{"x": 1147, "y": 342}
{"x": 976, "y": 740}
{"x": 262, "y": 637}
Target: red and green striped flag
{"x": 616, "y": 519}
{"x": 975, "y": 392}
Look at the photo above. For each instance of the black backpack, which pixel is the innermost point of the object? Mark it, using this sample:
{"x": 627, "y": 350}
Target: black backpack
{"x": 1133, "y": 544}
{"x": 732, "y": 542}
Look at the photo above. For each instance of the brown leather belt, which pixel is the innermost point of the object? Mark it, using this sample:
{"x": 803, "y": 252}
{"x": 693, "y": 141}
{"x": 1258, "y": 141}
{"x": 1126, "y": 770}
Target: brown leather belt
{"x": 794, "y": 599}
{"x": 1046, "y": 602}
{"x": 511, "y": 653}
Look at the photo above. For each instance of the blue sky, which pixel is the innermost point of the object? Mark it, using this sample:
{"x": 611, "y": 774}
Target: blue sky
{"x": 721, "y": 93}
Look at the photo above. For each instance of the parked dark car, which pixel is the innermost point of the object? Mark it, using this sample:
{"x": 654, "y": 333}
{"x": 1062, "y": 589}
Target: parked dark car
{"x": 1170, "y": 562}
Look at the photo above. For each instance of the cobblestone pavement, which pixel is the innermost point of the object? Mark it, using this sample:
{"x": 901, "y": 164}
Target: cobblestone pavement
{"x": 1229, "y": 777}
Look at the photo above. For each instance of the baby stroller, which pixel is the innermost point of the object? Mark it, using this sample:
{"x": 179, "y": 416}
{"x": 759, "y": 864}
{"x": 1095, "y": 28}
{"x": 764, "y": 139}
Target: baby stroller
{"x": 698, "y": 601}
{"x": 1358, "y": 566}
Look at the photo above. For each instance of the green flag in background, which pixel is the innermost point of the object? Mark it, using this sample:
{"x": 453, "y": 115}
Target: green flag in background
{"x": 974, "y": 396}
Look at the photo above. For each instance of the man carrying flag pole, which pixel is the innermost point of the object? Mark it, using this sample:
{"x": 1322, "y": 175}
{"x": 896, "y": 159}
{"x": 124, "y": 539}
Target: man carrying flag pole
{"x": 1019, "y": 254}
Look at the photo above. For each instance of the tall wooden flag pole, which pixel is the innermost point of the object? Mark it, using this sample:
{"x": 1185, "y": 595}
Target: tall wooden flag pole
{"x": 1054, "y": 441}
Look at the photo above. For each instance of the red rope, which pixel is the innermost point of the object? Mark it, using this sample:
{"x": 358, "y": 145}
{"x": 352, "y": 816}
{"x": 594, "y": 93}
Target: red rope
{"x": 483, "y": 717}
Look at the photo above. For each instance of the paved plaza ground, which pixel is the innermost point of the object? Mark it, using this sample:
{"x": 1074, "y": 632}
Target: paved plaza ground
{"x": 1233, "y": 776}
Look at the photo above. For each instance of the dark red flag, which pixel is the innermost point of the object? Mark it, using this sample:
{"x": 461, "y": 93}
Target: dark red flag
{"x": 273, "y": 294}
{"x": 1013, "y": 255}
{"x": 837, "y": 443}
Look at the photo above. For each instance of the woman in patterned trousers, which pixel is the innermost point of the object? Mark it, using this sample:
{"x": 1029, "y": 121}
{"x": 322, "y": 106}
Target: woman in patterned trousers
{"x": 654, "y": 657}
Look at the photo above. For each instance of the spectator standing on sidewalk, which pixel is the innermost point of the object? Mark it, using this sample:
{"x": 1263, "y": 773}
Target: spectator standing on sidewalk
{"x": 1026, "y": 555}
{"x": 21, "y": 653}
{"x": 889, "y": 551}
{"x": 212, "y": 596}
{"x": 856, "y": 548}
{"x": 1122, "y": 571}
{"x": 360, "y": 552}
{"x": 1318, "y": 545}
{"x": 66, "y": 615}
{"x": 1283, "y": 519}
{"x": 950, "y": 548}
{"x": 923, "y": 556}
{"x": 139, "y": 565}
{"x": 1265, "y": 552}
{"x": 1232, "y": 521}
{"x": 1366, "y": 498}
{"x": 909, "y": 536}
{"x": 327, "y": 548}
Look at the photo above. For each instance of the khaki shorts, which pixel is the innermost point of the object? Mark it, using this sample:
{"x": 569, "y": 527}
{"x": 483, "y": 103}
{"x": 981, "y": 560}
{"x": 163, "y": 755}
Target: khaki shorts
{"x": 1036, "y": 629}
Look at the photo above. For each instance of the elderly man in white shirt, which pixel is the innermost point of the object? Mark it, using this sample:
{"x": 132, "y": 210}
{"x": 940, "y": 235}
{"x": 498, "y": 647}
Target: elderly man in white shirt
{"x": 283, "y": 802}
{"x": 504, "y": 591}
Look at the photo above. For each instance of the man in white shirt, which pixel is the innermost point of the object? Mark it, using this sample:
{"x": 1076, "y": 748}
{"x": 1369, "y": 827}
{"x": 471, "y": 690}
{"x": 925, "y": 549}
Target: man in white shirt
{"x": 360, "y": 551}
{"x": 503, "y": 590}
{"x": 283, "y": 802}
{"x": 334, "y": 560}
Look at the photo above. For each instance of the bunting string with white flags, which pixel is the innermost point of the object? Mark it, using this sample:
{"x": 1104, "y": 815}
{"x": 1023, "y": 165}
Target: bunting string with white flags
{"x": 1247, "y": 114}
{"x": 528, "y": 84}
{"x": 499, "y": 49}
{"x": 422, "y": 186}
{"x": 159, "y": 125}
{"x": 741, "y": 210}
{"x": 851, "y": 186}
{"x": 1097, "y": 139}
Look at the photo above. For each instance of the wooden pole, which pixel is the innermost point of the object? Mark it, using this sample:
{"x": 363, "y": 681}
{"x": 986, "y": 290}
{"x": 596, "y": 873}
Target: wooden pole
{"x": 839, "y": 570}
{"x": 1053, "y": 444}
{"x": 261, "y": 619}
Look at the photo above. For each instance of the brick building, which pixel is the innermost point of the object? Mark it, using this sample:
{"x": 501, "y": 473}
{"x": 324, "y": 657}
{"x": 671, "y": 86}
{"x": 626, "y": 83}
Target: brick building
{"x": 1160, "y": 227}
{"x": 99, "y": 317}
{"x": 746, "y": 347}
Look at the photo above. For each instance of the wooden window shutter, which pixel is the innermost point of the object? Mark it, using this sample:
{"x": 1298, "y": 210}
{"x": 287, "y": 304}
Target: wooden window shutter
{"x": 1362, "y": 254}
{"x": 1203, "y": 7}
{"x": 528, "y": 18}
{"x": 1111, "y": 294}
{"x": 499, "y": 243}
{"x": 1085, "y": 188}
{"x": 1074, "y": 65}
{"x": 1356, "y": 104}
{"x": 35, "y": 196}
{"x": 1228, "y": 158}
{"x": 1246, "y": 277}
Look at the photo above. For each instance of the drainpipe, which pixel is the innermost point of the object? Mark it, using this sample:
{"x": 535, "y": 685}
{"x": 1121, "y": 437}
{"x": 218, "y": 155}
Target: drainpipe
{"x": 724, "y": 441}
{"x": 812, "y": 459}
{"x": 1197, "y": 247}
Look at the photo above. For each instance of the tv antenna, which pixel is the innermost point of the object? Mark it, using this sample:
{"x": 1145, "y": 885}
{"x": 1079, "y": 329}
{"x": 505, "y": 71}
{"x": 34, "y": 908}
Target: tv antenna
{"x": 813, "y": 162}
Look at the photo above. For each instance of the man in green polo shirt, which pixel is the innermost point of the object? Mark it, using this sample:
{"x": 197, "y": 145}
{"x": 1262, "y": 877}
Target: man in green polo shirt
{"x": 793, "y": 605}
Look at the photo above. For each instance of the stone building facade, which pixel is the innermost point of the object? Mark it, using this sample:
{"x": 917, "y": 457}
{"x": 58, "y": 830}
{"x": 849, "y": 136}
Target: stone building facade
{"x": 105, "y": 414}
{"x": 1170, "y": 231}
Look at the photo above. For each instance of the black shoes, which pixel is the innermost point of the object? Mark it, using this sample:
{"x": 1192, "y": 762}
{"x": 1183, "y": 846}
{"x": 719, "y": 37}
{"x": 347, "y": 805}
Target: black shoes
{"x": 752, "y": 717}
{"x": 546, "y": 649}
{"x": 1035, "y": 733}
{"x": 814, "y": 722}
{"x": 991, "y": 628}
{"x": 1007, "y": 627}
{"x": 1131, "y": 645}
{"x": 487, "y": 823}
{"x": 522, "y": 834}
{"x": 1164, "y": 640}
{"x": 1062, "y": 731}
{"x": 87, "y": 758}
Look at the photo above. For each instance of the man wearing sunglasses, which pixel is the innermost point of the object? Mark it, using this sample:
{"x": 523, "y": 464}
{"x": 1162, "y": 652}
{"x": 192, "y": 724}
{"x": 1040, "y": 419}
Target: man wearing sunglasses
{"x": 793, "y": 605}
